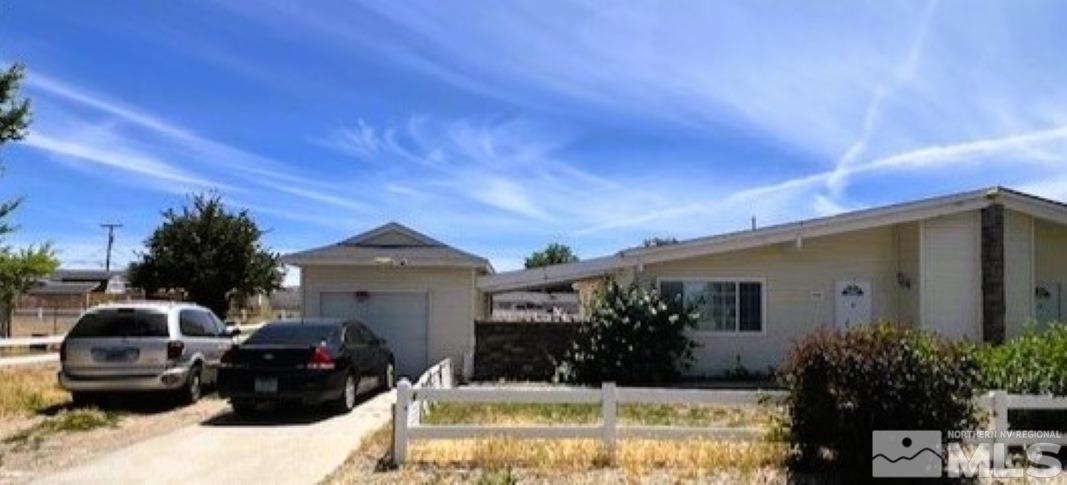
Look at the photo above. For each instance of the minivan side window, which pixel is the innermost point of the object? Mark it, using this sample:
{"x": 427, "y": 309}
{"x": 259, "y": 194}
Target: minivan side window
{"x": 192, "y": 322}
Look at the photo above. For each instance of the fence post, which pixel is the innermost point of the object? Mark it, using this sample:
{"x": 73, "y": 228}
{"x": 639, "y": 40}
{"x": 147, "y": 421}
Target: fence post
{"x": 1000, "y": 411}
{"x": 608, "y": 403}
{"x": 400, "y": 421}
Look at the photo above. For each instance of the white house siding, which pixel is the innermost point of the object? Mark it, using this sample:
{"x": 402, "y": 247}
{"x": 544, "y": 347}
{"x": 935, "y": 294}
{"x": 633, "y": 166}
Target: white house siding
{"x": 908, "y": 269}
{"x": 1050, "y": 257}
{"x": 951, "y": 275}
{"x": 1018, "y": 271}
{"x": 451, "y": 293}
{"x": 791, "y": 276}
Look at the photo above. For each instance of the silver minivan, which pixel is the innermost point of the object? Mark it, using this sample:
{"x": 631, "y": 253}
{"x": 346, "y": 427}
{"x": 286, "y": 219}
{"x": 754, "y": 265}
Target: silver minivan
{"x": 143, "y": 346}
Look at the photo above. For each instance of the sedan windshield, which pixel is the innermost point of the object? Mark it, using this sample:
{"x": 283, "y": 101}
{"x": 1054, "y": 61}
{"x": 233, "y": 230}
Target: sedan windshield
{"x": 296, "y": 334}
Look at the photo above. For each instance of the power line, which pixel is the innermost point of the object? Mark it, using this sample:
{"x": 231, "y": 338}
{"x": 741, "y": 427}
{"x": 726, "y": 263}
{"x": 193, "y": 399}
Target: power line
{"x": 110, "y": 242}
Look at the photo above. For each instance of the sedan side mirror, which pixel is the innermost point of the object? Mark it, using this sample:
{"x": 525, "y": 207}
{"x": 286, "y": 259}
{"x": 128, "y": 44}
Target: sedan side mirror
{"x": 377, "y": 342}
{"x": 232, "y": 331}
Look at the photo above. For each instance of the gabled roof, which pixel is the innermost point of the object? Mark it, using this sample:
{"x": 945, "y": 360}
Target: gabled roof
{"x": 823, "y": 226}
{"x": 392, "y": 244}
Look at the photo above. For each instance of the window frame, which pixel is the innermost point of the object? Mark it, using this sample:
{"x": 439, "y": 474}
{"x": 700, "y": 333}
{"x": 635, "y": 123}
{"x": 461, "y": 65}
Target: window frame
{"x": 737, "y": 299}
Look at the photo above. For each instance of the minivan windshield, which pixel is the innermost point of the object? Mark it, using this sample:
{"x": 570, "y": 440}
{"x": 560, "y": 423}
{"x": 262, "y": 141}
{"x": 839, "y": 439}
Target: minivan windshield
{"x": 121, "y": 322}
{"x": 295, "y": 334}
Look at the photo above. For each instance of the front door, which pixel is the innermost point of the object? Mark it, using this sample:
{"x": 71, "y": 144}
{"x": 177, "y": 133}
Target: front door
{"x": 853, "y": 303}
{"x": 1047, "y": 302}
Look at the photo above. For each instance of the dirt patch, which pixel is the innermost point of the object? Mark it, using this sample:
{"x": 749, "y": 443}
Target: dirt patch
{"x": 48, "y": 434}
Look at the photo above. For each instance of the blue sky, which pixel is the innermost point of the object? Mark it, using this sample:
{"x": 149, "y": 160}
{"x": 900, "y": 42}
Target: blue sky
{"x": 501, "y": 126}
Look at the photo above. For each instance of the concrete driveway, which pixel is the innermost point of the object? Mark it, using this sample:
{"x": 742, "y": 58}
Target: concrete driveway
{"x": 285, "y": 448}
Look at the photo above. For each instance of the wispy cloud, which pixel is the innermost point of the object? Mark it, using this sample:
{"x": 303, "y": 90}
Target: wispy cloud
{"x": 873, "y": 115}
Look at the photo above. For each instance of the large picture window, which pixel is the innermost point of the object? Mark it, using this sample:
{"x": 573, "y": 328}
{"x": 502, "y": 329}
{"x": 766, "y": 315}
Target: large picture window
{"x": 727, "y": 306}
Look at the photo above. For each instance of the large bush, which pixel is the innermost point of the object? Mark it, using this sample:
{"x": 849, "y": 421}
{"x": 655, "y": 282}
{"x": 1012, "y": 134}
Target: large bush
{"x": 632, "y": 336}
{"x": 1034, "y": 363}
{"x": 844, "y": 384}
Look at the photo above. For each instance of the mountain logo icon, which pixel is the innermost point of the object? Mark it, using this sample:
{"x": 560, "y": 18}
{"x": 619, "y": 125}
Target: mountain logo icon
{"x": 906, "y": 453}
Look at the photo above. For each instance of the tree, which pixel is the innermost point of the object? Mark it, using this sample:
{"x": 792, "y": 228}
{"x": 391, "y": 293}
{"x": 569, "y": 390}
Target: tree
{"x": 659, "y": 241}
{"x": 632, "y": 336}
{"x": 554, "y": 253}
{"x": 14, "y": 120}
{"x": 211, "y": 255}
{"x": 19, "y": 270}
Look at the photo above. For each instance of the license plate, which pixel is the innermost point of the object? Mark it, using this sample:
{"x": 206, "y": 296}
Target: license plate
{"x": 115, "y": 355}
{"x": 266, "y": 385}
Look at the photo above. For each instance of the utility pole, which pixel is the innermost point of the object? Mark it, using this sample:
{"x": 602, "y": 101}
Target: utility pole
{"x": 110, "y": 242}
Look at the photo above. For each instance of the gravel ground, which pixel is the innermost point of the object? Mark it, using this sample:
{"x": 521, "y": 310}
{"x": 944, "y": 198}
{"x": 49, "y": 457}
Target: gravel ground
{"x": 140, "y": 418}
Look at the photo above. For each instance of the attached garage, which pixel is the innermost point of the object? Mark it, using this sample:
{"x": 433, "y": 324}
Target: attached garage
{"x": 415, "y": 292}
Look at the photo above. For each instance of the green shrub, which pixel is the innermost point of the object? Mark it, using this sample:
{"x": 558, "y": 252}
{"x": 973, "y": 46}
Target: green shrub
{"x": 1034, "y": 363}
{"x": 844, "y": 384}
{"x": 632, "y": 336}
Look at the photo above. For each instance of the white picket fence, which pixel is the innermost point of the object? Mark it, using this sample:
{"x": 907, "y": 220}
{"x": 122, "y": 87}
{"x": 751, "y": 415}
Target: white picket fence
{"x": 413, "y": 400}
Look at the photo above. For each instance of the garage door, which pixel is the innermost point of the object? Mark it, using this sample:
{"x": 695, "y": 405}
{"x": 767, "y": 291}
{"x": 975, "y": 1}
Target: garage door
{"x": 399, "y": 318}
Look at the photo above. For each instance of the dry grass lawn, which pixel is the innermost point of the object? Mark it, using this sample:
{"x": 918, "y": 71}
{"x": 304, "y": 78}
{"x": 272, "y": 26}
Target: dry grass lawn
{"x": 499, "y": 460}
{"x": 24, "y": 391}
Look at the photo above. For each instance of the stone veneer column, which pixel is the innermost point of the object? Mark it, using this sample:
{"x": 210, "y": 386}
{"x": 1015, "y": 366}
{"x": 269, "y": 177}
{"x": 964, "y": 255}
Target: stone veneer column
{"x": 994, "y": 306}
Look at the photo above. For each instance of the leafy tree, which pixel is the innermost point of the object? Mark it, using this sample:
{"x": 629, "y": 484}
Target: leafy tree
{"x": 659, "y": 241}
{"x": 19, "y": 269}
{"x": 632, "y": 336}
{"x": 554, "y": 253}
{"x": 209, "y": 254}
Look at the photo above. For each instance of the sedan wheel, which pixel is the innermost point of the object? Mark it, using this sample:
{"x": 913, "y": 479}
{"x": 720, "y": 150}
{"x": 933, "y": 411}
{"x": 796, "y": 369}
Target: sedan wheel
{"x": 348, "y": 397}
{"x": 390, "y": 379}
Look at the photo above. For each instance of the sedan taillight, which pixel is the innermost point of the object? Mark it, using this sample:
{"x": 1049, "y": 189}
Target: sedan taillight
{"x": 175, "y": 348}
{"x": 321, "y": 359}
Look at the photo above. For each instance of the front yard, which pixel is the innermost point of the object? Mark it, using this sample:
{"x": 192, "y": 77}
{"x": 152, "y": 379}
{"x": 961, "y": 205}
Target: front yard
{"x": 41, "y": 431}
{"x": 498, "y": 460}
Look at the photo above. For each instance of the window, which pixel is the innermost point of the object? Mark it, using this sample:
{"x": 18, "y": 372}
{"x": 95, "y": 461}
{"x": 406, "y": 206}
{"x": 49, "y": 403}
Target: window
{"x": 121, "y": 323}
{"x": 724, "y": 305}
{"x": 195, "y": 323}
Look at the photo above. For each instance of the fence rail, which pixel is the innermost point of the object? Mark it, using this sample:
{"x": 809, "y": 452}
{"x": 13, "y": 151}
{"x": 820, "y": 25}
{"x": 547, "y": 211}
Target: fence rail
{"x": 414, "y": 400}
{"x": 999, "y": 403}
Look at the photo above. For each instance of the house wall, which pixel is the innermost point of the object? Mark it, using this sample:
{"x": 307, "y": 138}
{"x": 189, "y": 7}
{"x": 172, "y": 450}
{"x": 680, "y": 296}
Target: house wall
{"x": 453, "y": 301}
{"x": 1050, "y": 256}
{"x": 908, "y": 292}
{"x": 951, "y": 275}
{"x": 1018, "y": 272}
{"x": 791, "y": 275}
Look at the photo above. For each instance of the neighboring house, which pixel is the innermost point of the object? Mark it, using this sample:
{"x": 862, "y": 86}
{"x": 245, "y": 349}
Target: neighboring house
{"x": 535, "y": 306}
{"x": 415, "y": 292}
{"x": 53, "y": 304}
{"x": 977, "y": 265}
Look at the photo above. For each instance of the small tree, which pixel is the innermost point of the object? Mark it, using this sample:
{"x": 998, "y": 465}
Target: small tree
{"x": 19, "y": 270}
{"x": 632, "y": 336}
{"x": 209, "y": 254}
{"x": 554, "y": 253}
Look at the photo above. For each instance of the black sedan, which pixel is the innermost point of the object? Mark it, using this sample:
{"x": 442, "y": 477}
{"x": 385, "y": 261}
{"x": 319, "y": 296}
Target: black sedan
{"x": 312, "y": 361}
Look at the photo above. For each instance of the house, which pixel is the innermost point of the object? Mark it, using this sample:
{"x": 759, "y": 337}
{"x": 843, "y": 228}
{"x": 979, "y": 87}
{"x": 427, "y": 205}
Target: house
{"x": 53, "y": 304}
{"x": 416, "y": 292}
{"x": 978, "y": 265}
{"x": 535, "y": 305}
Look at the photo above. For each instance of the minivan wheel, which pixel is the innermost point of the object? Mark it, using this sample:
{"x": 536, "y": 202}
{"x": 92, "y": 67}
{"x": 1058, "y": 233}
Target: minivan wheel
{"x": 347, "y": 401}
{"x": 193, "y": 386}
